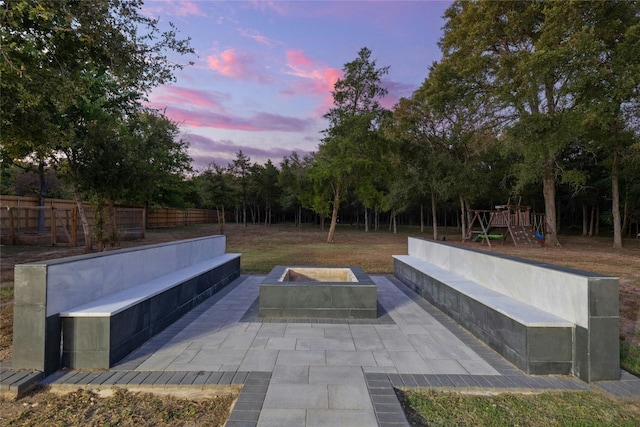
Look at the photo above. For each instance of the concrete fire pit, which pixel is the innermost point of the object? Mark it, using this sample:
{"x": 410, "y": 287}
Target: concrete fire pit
{"x": 318, "y": 292}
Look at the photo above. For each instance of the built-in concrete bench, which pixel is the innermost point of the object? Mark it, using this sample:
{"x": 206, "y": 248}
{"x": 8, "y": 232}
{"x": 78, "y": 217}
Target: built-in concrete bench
{"x": 100, "y": 307}
{"x": 543, "y": 318}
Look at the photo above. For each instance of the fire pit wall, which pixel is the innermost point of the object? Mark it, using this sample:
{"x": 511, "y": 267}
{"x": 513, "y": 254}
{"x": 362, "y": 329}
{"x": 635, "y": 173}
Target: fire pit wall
{"x": 318, "y": 292}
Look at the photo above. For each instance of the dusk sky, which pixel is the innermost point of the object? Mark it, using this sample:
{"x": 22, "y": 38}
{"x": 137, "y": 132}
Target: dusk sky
{"x": 264, "y": 70}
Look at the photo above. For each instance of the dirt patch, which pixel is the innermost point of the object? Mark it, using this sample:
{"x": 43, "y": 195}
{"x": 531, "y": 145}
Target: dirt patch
{"x": 6, "y": 332}
{"x": 122, "y": 408}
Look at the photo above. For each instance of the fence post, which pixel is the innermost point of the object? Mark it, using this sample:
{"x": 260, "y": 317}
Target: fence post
{"x": 53, "y": 226}
{"x": 12, "y": 227}
{"x": 144, "y": 221}
{"x": 74, "y": 226}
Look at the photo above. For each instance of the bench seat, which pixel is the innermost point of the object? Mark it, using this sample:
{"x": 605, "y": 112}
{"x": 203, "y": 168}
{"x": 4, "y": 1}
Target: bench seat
{"x": 516, "y": 310}
{"x": 534, "y": 340}
{"x": 99, "y": 333}
{"x": 115, "y": 303}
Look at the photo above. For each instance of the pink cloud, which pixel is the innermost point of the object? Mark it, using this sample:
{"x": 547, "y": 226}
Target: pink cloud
{"x": 256, "y": 36}
{"x": 255, "y": 123}
{"x": 174, "y": 95}
{"x": 236, "y": 65}
{"x": 186, "y": 8}
{"x": 315, "y": 79}
{"x": 279, "y": 7}
{"x": 180, "y": 8}
{"x": 204, "y": 151}
{"x": 296, "y": 59}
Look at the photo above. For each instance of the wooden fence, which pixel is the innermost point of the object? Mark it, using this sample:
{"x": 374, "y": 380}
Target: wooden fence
{"x": 157, "y": 218}
{"x": 23, "y": 222}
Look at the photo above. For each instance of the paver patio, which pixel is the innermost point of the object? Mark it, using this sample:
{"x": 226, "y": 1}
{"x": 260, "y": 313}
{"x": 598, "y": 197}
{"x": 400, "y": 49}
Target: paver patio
{"x": 306, "y": 372}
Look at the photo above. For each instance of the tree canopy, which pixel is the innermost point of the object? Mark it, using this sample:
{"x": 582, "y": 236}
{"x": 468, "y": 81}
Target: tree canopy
{"x": 74, "y": 74}
{"x": 533, "y": 99}
{"x": 351, "y": 145}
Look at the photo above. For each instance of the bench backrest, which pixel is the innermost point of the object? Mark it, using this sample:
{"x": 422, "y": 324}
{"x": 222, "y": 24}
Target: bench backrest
{"x": 575, "y": 295}
{"x": 74, "y": 281}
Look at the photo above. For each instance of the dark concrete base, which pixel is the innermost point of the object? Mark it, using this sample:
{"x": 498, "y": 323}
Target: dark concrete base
{"x": 308, "y": 296}
{"x": 537, "y": 350}
{"x": 100, "y": 342}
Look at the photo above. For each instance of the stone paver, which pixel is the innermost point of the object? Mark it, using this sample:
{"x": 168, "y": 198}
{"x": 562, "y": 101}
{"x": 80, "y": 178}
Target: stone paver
{"x": 306, "y": 372}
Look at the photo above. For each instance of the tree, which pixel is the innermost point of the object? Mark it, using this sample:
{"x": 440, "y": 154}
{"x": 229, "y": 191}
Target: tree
{"x": 268, "y": 189}
{"x": 556, "y": 72}
{"x": 158, "y": 161}
{"x": 293, "y": 179}
{"x": 463, "y": 129}
{"x": 353, "y": 124}
{"x": 217, "y": 191}
{"x": 606, "y": 35}
{"x": 240, "y": 171}
{"x": 425, "y": 148}
{"x": 70, "y": 68}
{"x": 519, "y": 58}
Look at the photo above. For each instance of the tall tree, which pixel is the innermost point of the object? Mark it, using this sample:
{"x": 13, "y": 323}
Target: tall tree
{"x": 560, "y": 74}
{"x": 606, "y": 39}
{"x": 63, "y": 61}
{"x": 423, "y": 149}
{"x": 157, "y": 159}
{"x": 217, "y": 191}
{"x": 354, "y": 122}
{"x": 464, "y": 129}
{"x": 519, "y": 57}
{"x": 269, "y": 190}
{"x": 240, "y": 169}
{"x": 293, "y": 179}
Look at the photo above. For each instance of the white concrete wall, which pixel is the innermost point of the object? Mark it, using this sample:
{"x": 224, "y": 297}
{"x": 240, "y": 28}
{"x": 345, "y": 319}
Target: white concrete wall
{"x": 77, "y": 280}
{"x": 563, "y": 293}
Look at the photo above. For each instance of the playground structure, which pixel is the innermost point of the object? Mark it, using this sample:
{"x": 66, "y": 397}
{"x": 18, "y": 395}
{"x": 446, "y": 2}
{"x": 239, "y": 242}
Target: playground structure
{"x": 523, "y": 226}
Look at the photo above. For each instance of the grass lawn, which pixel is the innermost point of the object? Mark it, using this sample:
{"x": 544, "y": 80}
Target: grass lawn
{"x": 578, "y": 408}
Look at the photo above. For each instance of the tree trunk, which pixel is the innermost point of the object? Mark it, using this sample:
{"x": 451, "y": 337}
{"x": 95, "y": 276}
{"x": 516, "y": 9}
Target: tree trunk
{"x": 334, "y": 215}
{"x": 220, "y": 220}
{"x": 244, "y": 213}
{"x": 376, "y": 219}
{"x": 585, "y": 219}
{"x": 394, "y": 222}
{"x": 549, "y": 192}
{"x": 592, "y": 221}
{"x": 421, "y": 218}
{"x": 597, "y": 232}
{"x": 462, "y": 218}
{"x": 366, "y": 219}
{"x": 615, "y": 206}
{"x": 615, "y": 190}
{"x": 434, "y": 212}
{"x": 86, "y": 228}
{"x": 42, "y": 193}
